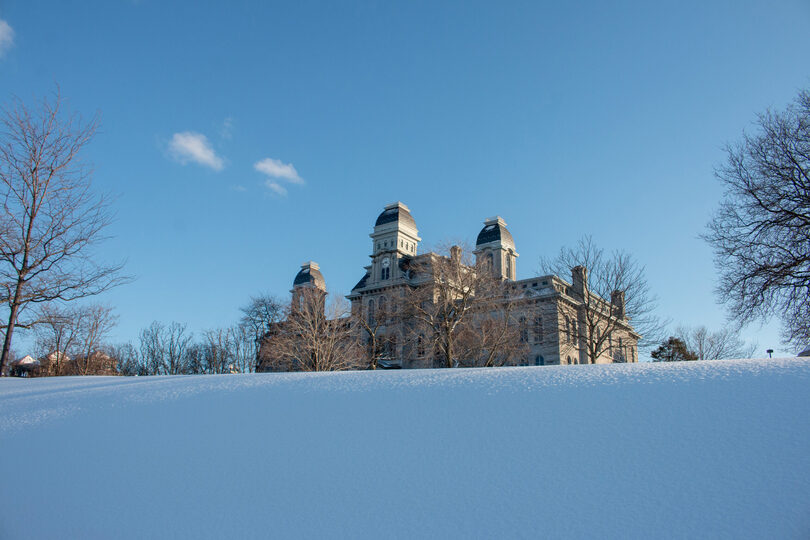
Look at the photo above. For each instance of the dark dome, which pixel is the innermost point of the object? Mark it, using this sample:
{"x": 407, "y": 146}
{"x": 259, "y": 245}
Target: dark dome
{"x": 495, "y": 231}
{"x": 396, "y": 212}
{"x": 310, "y": 274}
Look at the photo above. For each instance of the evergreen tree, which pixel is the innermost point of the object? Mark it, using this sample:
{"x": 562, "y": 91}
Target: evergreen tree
{"x": 673, "y": 350}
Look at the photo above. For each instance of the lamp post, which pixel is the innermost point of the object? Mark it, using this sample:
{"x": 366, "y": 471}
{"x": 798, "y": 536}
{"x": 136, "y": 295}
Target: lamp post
{"x": 770, "y": 352}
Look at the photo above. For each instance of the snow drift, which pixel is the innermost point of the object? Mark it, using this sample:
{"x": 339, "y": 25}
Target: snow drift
{"x": 707, "y": 449}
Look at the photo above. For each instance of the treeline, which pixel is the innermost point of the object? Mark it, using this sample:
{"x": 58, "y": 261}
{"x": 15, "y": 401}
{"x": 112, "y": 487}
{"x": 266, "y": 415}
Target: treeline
{"x": 73, "y": 340}
{"x": 171, "y": 349}
{"x": 699, "y": 343}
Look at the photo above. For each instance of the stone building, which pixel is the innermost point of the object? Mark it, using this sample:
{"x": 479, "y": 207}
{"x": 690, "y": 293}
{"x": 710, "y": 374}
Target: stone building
{"x": 550, "y": 311}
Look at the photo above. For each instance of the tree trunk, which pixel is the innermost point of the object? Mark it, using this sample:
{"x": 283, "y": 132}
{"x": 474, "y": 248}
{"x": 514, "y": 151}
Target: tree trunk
{"x": 12, "y": 322}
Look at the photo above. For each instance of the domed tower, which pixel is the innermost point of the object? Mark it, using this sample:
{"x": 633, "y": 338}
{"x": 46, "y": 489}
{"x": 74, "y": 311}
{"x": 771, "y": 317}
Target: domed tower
{"x": 495, "y": 248}
{"x": 395, "y": 236}
{"x": 308, "y": 284}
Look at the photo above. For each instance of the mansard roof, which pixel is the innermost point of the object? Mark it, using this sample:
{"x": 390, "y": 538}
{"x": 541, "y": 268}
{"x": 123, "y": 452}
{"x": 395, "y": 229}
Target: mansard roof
{"x": 310, "y": 274}
{"x": 396, "y": 212}
{"x": 495, "y": 231}
{"x": 362, "y": 282}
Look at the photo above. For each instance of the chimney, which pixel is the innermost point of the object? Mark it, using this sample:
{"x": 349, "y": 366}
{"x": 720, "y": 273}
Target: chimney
{"x": 579, "y": 278}
{"x": 455, "y": 254}
{"x": 617, "y": 300}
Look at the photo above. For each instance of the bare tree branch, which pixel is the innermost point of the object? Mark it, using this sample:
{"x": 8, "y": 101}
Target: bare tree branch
{"x": 761, "y": 232}
{"x": 51, "y": 221}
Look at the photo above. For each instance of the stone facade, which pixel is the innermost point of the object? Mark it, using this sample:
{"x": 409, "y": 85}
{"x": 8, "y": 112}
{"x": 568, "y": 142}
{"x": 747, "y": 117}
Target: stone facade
{"x": 550, "y": 310}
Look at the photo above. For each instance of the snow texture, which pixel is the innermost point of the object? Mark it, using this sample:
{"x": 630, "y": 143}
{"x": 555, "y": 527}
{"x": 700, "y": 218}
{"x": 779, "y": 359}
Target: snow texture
{"x": 692, "y": 449}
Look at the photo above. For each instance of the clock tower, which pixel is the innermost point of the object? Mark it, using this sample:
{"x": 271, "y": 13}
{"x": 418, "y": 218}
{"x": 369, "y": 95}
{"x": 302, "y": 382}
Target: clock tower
{"x": 395, "y": 236}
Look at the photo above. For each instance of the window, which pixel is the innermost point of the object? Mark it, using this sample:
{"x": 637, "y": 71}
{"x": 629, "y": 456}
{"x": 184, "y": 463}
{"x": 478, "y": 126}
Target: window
{"x": 386, "y": 273}
{"x": 420, "y": 346}
{"x": 508, "y": 267}
{"x": 569, "y": 360}
{"x": 524, "y": 330}
{"x": 539, "y": 360}
{"x": 490, "y": 261}
{"x": 568, "y": 328}
{"x": 574, "y": 335}
{"x": 371, "y": 311}
{"x": 538, "y": 329}
{"x": 381, "y": 306}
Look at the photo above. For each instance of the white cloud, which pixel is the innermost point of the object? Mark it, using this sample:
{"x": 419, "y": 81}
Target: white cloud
{"x": 190, "y": 146}
{"x": 274, "y": 168}
{"x": 276, "y": 172}
{"x": 6, "y": 37}
{"x": 275, "y": 186}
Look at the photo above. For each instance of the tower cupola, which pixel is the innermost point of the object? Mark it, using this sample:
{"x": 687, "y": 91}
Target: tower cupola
{"x": 395, "y": 237}
{"x": 495, "y": 248}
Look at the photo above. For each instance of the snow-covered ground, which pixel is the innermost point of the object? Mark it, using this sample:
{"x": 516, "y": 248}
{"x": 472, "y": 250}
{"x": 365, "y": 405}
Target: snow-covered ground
{"x": 698, "y": 449}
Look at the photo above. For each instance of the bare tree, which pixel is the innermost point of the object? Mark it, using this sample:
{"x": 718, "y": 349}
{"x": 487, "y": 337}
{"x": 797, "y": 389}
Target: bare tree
{"x": 57, "y": 337}
{"x": 496, "y": 334}
{"x": 761, "y": 232}
{"x": 244, "y": 349}
{"x": 613, "y": 291}
{"x": 315, "y": 335}
{"x": 51, "y": 220}
{"x": 95, "y": 323}
{"x": 461, "y": 311}
{"x": 127, "y": 359}
{"x": 375, "y": 322}
{"x": 218, "y": 347}
{"x": 164, "y": 348}
{"x": 258, "y": 317}
{"x": 721, "y": 344}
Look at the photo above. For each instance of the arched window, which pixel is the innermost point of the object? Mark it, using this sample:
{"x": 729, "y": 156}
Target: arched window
{"x": 569, "y": 360}
{"x": 381, "y": 307}
{"x": 524, "y": 330}
{"x": 490, "y": 261}
{"x": 508, "y": 267}
{"x": 371, "y": 311}
{"x": 539, "y": 360}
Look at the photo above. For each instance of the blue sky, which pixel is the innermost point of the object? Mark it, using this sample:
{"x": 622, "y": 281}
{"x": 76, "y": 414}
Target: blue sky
{"x": 564, "y": 118}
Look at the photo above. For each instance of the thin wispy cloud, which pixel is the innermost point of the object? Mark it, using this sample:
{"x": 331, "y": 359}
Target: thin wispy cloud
{"x": 6, "y": 37}
{"x": 226, "y": 131}
{"x": 191, "y": 147}
{"x": 275, "y": 186}
{"x": 278, "y": 172}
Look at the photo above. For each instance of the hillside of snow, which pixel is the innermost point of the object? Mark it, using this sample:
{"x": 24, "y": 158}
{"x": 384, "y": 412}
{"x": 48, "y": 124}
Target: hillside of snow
{"x": 697, "y": 449}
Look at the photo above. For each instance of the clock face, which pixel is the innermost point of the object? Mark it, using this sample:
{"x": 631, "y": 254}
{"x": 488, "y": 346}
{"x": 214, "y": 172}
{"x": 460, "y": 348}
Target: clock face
{"x": 386, "y": 262}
